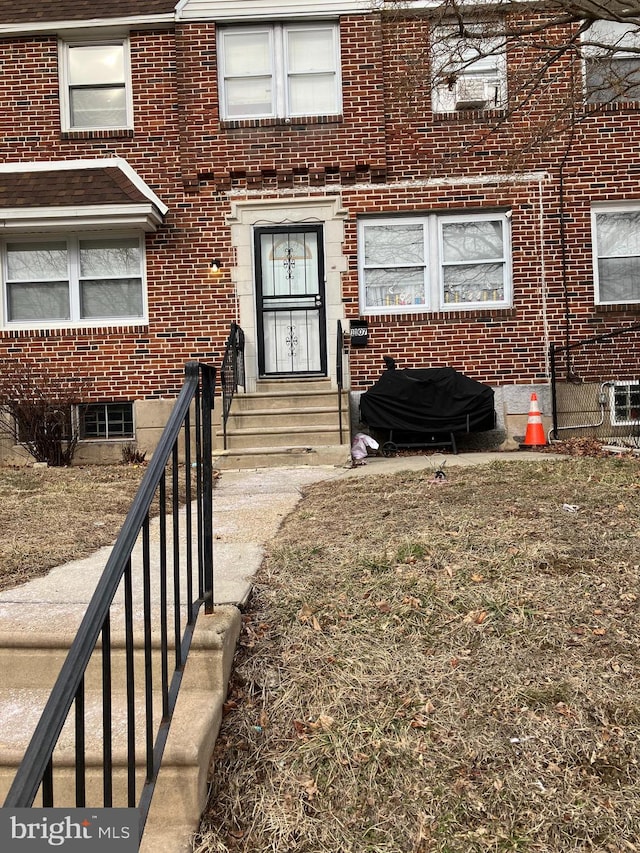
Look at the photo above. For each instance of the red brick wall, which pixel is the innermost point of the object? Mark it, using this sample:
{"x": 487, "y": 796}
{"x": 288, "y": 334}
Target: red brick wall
{"x": 385, "y": 133}
{"x": 189, "y": 311}
{"x": 497, "y": 346}
{"x": 260, "y": 154}
{"x": 597, "y": 158}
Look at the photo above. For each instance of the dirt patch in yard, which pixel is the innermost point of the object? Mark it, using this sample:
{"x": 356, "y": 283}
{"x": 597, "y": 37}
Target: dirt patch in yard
{"x": 447, "y": 666}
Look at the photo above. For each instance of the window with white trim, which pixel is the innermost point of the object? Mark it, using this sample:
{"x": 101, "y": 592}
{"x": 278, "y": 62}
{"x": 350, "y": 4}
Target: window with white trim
{"x": 468, "y": 72}
{"x": 616, "y": 243}
{"x": 279, "y": 71}
{"x": 95, "y": 81}
{"x": 624, "y": 402}
{"x": 611, "y": 52}
{"x": 434, "y": 262}
{"x": 106, "y": 421}
{"x": 70, "y": 280}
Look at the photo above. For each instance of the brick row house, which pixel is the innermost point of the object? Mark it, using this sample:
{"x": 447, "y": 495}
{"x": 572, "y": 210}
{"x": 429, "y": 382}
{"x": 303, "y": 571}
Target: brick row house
{"x": 304, "y": 148}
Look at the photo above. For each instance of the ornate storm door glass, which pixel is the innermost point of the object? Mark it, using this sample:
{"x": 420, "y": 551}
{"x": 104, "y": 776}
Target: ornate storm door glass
{"x": 290, "y": 297}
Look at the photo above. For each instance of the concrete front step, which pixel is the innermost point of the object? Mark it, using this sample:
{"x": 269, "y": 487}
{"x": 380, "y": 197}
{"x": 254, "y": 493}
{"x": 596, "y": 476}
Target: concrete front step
{"x": 180, "y": 793}
{"x": 294, "y": 385}
{"x": 272, "y": 419}
{"x": 291, "y": 436}
{"x": 285, "y": 422}
{"x": 288, "y": 399}
{"x": 283, "y": 457}
{"x": 31, "y": 656}
{"x": 20, "y": 710}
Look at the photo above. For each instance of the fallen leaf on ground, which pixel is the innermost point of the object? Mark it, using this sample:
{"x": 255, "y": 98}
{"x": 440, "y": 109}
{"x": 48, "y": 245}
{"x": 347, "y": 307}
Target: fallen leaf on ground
{"x": 323, "y": 723}
{"x": 305, "y": 613}
{"x": 476, "y": 617}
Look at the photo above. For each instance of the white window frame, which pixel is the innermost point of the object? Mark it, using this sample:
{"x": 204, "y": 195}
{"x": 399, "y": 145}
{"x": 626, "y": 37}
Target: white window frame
{"x": 80, "y": 412}
{"x": 434, "y": 264}
{"x": 453, "y": 58}
{"x": 64, "y": 48}
{"x": 623, "y": 39}
{"x": 279, "y": 70}
{"x": 73, "y": 243}
{"x": 628, "y": 387}
{"x": 603, "y": 210}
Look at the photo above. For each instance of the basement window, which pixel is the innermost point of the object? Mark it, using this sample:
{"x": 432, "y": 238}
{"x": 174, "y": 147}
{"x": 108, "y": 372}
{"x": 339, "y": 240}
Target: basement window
{"x": 625, "y": 403}
{"x": 106, "y": 421}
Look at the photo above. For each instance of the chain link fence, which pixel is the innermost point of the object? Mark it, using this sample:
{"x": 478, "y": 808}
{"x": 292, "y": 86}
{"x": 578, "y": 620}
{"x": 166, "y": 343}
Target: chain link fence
{"x": 595, "y": 386}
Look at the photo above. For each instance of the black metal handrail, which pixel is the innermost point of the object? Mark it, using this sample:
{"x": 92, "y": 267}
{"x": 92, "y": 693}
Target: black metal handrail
{"x": 341, "y": 349}
{"x": 175, "y": 577}
{"x": 231, "y": 373}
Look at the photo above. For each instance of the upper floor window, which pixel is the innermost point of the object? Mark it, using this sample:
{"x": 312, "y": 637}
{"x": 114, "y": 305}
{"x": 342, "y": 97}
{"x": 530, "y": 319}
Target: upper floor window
{"x": 432, "y": 263}
{"x": 279, "y": 71}
{"x": 468, "y": 72}
{"x": 73, "y": 280}
{"x": 611, "y": 53}
{"x": 95, "y": 85}
{"x": 616, "y": 240}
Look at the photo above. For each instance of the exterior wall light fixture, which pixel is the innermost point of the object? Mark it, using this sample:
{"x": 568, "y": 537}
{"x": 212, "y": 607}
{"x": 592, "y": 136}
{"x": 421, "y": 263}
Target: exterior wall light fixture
{"x": 216, "y": 266}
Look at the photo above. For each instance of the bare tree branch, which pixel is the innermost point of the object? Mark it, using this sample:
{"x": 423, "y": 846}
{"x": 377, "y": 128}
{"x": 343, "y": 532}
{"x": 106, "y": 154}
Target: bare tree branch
{"x": 37, "y": 410}
{"x": 561, "y": 61}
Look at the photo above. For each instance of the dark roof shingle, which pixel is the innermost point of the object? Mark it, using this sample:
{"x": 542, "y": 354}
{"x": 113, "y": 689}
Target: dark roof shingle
{"x": 42, "y": 11}
{"x": 68, "y": 188}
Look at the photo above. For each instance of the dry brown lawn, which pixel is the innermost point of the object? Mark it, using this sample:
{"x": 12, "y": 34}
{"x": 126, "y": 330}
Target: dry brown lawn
{"x": 424, "y": 667}
{"x": 441, "y": 668}
{"x": 49, "y": 516}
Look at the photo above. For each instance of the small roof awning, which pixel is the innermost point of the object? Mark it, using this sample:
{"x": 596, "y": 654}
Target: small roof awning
{"x": 76, "y": 194}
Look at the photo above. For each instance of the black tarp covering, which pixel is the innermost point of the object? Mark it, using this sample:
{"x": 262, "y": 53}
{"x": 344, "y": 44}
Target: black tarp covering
{"x": 433, "y": 399}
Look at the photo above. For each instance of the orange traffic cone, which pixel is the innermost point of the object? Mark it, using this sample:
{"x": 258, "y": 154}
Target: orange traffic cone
{"x": 534, "y": 436}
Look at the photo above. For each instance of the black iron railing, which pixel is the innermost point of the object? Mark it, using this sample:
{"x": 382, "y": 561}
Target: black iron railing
{"x": 341, "y": 349}
{"x": 595, "y": 388}
{"x": 121, "y": 614}
{"x": 231, "y": 373}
